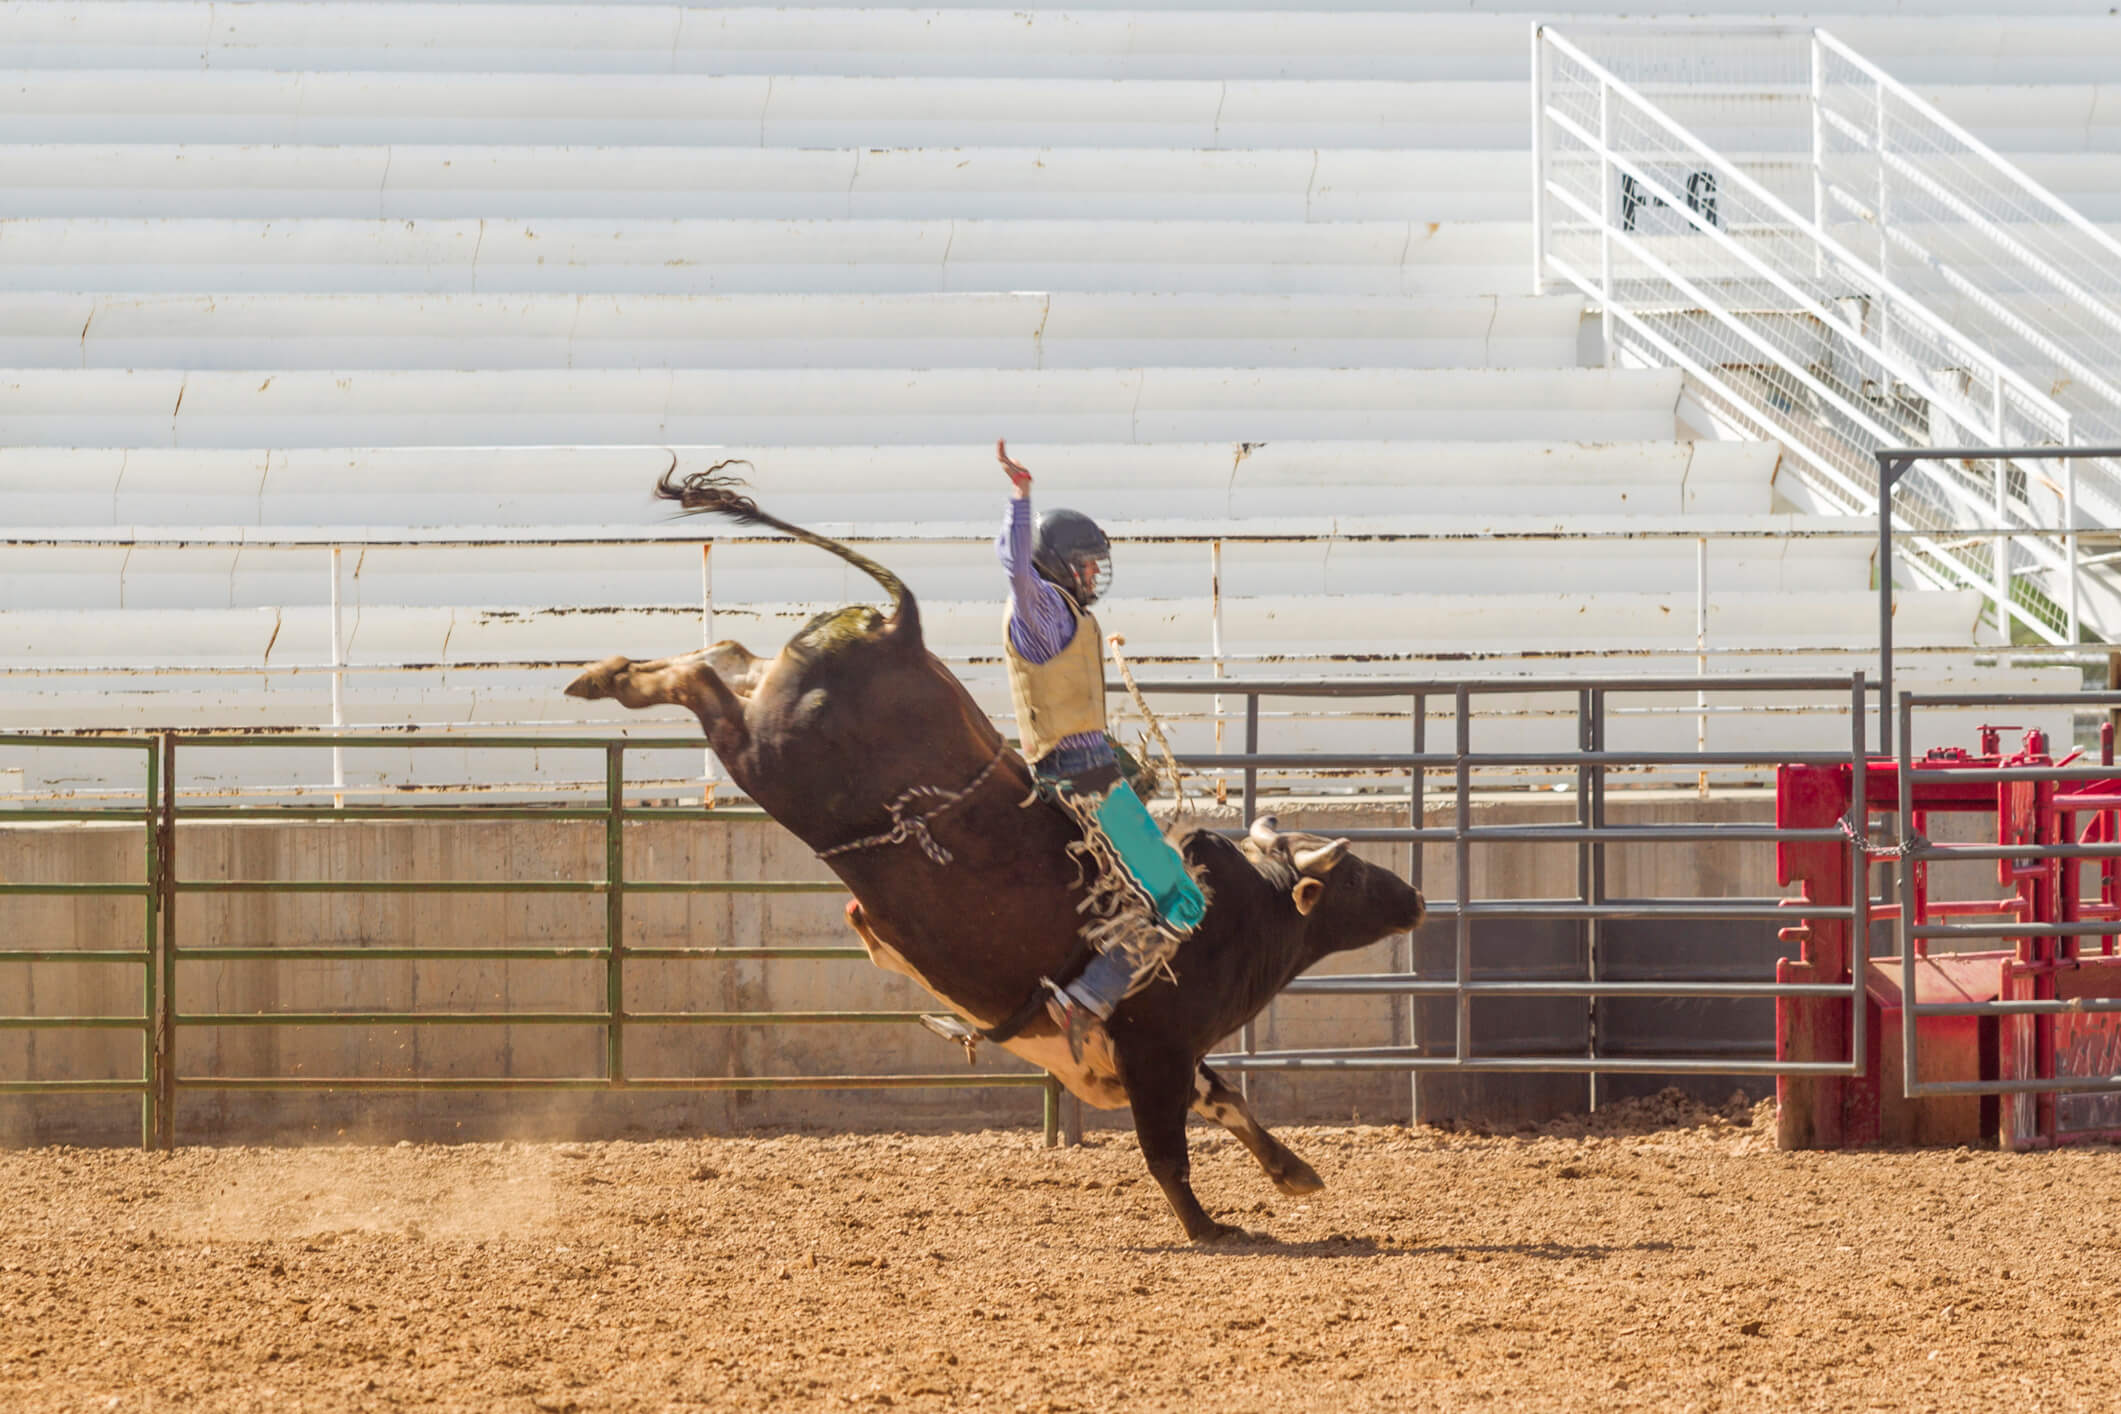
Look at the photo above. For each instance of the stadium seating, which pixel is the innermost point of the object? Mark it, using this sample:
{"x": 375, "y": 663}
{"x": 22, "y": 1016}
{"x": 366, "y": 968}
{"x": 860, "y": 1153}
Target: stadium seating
{"x": 431, "y": 281}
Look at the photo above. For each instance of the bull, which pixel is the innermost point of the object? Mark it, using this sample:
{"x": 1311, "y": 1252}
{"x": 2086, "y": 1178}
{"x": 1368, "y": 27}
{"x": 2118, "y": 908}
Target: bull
{"x": 864, "y": 745}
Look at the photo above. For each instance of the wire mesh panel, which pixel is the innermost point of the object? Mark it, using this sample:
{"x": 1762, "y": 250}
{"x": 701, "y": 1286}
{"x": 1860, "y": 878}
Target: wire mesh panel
{"x": 1936, "y": 210}
{"x": 1683, "y": 177}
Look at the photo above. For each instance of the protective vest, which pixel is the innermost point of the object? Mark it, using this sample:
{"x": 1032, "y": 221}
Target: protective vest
{"x": 1063, "y": 695}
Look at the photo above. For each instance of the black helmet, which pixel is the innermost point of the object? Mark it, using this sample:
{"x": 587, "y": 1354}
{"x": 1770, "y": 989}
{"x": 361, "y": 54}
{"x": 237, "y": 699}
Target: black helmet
{"x": 1073, "y": 553}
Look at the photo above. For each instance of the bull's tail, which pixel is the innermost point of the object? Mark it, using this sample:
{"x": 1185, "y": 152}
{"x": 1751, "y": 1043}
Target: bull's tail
{"x": 710, "y": 492}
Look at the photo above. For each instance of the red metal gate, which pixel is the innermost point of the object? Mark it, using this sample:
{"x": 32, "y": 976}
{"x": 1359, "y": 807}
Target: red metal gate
{"x": 2006, "y": 998}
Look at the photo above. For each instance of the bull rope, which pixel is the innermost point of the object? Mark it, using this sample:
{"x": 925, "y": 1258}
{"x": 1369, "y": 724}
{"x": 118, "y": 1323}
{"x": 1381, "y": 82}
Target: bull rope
{"x": 1118, "y": 913}
{"x": 915, "y": 827}
{"x": 1156, "y": 728}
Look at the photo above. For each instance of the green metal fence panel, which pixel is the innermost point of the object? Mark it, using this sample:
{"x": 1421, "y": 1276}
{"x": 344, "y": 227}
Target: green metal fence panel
{"x": 146, "y": 958}
{"x": 163, "y": 1021}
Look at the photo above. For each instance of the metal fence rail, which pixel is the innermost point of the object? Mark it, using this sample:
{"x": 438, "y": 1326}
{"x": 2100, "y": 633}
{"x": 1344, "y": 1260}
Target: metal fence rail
{"x": 147, "y": 957}
{"x": 1715, "y": 540}
{"x": 166, "y": 1017}
{"x": 1592, "y": 907}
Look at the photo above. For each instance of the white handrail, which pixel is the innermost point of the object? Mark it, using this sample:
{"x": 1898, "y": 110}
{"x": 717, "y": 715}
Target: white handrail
{"x": 1928, "y": 544}
{"x": 1810, "y": 305}
{"x": 1936, "y": 323}
{"x": 2024, "y": 180}
{"x": 1842, "y": 355}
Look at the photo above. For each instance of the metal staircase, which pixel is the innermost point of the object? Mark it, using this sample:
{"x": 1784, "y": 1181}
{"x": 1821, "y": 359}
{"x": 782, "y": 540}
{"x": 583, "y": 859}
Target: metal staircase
{"x": 1839, "y": 265}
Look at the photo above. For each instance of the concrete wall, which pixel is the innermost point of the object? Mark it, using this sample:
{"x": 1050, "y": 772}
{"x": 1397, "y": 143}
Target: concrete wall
{"x": 534, "y": 850}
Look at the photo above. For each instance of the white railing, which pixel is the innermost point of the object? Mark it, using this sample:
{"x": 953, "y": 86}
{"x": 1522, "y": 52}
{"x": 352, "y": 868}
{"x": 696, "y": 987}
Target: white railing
{"x": 345, "y": 582}
{"x": 315, "y": 650}
{"x": 1764, "y": 209}
{"x": 1933, "y": 206}
{"x": 1707, "y": 542}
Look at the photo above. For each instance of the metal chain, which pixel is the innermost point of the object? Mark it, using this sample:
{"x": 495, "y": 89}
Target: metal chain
{"x": 1879, "y": 851}
{"x": 915, "y": 827}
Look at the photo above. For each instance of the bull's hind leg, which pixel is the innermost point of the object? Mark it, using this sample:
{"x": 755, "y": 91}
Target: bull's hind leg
{"x": 1158, "y": 1088}
{"x": 1212, "y": 1099}
{"x": 689, "y": 681}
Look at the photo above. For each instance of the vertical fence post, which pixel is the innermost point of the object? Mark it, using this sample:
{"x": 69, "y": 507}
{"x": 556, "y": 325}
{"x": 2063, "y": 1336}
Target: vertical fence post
{"x": 1215, "y": 650}
{"x": 710, "y": 770}
{"x": 165, "y": 1025}
{"x": 1248, "y": 1034}
{"x": 1598, "y": 854}
{"x": 338, "y": 683}
{"x": 1701, "y": 659}
{"x": 615, "y": 912}
{"x": 1586, "y": 739}
{"x": 2074, "y": 626}
{"x": 1859, "y": 879}
{"x": 1905, "y": 873}
{"x": 1462, "y": 821}
{"x": 151, "y": 991}
{"x": 1889, "y": 470}
{"x": 1417, "y": 788}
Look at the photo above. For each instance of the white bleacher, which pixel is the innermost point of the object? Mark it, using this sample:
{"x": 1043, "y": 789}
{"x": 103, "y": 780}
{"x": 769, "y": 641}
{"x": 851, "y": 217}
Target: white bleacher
{"x": 1075, "y": 182}
{"x": 1069, "y": 329}
{"x": 268, "y": 407}
{"x": 403, "y": 489}
{"x": 296, "y": 272}
{"x": 692, "y": 255}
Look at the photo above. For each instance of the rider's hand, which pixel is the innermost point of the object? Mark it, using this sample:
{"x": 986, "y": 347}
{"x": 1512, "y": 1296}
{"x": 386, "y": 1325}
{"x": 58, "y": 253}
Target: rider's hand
{"x": 1019, "y": 476}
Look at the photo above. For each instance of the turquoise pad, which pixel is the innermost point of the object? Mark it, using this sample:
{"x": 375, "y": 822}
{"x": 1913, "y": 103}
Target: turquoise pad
{"x": 1150, "y": 858}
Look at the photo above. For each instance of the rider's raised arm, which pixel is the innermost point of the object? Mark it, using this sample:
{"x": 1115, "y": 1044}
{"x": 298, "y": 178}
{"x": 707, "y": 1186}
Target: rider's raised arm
{"x": 1039, "y": 622}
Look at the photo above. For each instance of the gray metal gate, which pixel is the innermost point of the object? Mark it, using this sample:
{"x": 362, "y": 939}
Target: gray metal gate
{"x": 1599, "y": 951}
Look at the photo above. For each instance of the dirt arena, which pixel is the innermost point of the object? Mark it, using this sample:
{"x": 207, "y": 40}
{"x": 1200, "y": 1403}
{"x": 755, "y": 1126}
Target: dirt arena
{"x": 1667, "y": 1259}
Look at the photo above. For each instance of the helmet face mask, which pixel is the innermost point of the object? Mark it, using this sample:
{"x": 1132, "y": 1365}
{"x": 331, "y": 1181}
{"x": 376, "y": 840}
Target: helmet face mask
{"x": 1093, "y": 578}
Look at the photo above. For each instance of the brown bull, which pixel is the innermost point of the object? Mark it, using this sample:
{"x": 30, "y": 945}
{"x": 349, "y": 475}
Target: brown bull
{"x": 863, "y": 744}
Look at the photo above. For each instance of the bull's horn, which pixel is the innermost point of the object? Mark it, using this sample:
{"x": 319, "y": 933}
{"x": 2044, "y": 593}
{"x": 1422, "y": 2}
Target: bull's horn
{"x": 1266, "y": 832}
{"x": 1320, "y": 860}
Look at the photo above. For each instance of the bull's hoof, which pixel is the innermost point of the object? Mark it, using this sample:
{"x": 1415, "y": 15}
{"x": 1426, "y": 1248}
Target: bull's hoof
{"x": 598, "y": 679}
{"x": 1298, "y": 1179}
{"x": 1216, "y": 1234}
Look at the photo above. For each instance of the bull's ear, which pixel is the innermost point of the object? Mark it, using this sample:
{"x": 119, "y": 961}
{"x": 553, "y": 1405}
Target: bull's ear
{"x": 1307, "y": 893}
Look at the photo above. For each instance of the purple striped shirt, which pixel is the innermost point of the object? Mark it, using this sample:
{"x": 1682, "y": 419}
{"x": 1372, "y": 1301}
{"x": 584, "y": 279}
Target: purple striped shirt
{"x": 1040, "y": 624}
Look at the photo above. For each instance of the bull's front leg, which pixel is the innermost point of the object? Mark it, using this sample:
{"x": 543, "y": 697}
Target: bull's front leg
{"x": 1160, "y": 1087}
{"x": 1214, "y": 1099}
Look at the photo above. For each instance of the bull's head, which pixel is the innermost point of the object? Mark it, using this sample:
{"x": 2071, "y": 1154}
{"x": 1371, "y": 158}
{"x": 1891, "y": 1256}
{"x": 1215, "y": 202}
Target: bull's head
{"x": 1345, "y": 902}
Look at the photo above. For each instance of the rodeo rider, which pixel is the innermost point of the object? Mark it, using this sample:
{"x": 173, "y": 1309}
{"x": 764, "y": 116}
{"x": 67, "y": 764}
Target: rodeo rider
{"x": 1056, "y": 661}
